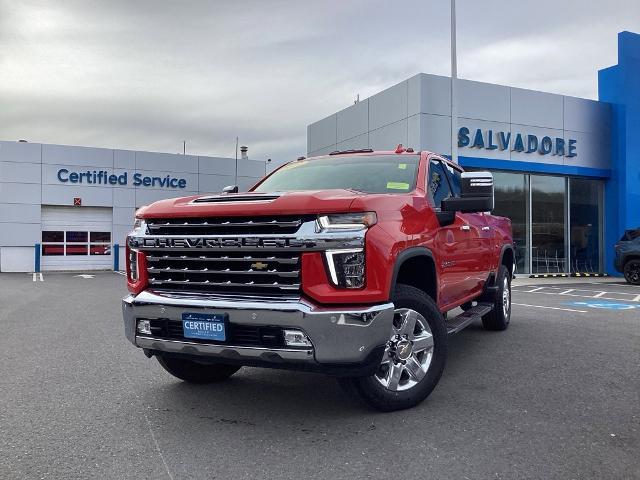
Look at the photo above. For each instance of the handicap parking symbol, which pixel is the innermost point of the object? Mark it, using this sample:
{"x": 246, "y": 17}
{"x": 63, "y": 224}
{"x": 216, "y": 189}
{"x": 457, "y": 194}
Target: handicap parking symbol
{"x": 605, "y": 305}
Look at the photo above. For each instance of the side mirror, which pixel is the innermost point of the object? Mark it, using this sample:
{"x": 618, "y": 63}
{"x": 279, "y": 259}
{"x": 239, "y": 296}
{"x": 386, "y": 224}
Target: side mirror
{"x": 476, "y": 194}
{"x": 230, "y": 189}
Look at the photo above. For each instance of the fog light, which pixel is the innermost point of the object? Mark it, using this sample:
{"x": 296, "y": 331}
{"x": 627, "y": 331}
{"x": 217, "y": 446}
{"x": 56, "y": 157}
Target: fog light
{"x": 295, "y": 338}
{"x": 144, "y": 326}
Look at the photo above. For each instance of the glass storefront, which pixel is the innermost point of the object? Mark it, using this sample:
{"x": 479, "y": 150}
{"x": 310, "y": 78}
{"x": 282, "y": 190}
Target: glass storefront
{"x": 556, "y": 221}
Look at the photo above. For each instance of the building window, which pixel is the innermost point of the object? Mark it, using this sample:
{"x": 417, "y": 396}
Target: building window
{"x": 100, "y": 243}
{"x": 548, "y": 224}
{"x": 53, "y": 236}
{"x": 585, "y": 201}
{"x": 75, "y": 243}
{"x": 512, "y": 201}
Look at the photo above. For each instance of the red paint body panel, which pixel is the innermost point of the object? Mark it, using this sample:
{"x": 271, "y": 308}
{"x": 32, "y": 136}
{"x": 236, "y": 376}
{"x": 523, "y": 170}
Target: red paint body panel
{"x": 464, "y": 259}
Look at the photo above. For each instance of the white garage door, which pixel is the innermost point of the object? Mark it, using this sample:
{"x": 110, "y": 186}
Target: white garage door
{"x": 76, "y": 238}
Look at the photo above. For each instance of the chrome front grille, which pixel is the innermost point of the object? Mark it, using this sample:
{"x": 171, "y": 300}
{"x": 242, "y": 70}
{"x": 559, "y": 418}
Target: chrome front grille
{"x": 266, "y": 273}
{"x": 233, "y": 256}
{"x": 224, "y": 226}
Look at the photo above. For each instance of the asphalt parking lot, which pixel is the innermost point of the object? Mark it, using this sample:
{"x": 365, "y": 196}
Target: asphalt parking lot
{"x": 556, "y": 396}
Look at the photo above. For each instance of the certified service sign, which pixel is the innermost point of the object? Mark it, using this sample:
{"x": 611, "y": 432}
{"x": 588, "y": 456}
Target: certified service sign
{"x": 102, "y": 177}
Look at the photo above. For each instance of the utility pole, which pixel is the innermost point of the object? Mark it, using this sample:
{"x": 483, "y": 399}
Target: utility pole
{"x": 184, "y": 147}
{"x": 236, "y": 177}
{"x": 454, "y": 78}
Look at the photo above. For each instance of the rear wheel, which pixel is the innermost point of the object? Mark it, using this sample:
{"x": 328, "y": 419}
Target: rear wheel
{"x": 414, "y": 357}
{"x": 500, "y": 316}
{"x": 632, "y": 272}
{"x": 194, "y": 372}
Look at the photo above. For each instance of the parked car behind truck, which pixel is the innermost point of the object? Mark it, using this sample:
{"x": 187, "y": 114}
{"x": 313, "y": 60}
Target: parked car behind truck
{"x": 344, "y": 264}
{"x": 627, "y": 259}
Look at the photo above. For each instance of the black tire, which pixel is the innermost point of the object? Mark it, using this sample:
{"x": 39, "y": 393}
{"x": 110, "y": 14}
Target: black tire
{"x": 372, "y": 392}
{"x": 500, "y": 316}
{"x": 194, "y": 372}
{"x": 632, "y": 271}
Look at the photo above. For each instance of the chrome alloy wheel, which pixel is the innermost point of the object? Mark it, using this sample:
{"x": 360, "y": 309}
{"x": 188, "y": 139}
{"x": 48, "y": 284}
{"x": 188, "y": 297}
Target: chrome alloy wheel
{"x": 408, "y": 353}
{"x": 506, "y": 297}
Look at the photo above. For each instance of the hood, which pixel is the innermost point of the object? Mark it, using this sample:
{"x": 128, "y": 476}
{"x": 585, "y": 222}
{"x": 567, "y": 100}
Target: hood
{"x": 253, "y": 204}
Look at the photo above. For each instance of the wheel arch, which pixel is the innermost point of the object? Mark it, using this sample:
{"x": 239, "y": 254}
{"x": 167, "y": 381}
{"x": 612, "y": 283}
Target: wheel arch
{"x": 416, "y": 266}
{"x": 630, "y": 256}
{"x": 508, "y": 258}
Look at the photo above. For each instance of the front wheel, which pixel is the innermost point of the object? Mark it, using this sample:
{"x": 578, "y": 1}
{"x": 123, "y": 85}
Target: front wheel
{"x": 414, "y": 357}
{"x": 194, "y": 372}
{"x": 632, "y": 272}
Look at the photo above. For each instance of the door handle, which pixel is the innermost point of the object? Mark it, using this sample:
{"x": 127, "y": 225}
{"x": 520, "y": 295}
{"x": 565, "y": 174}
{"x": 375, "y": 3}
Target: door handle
{"x": 465, "y": 228}
{"x": 485, "y": 229}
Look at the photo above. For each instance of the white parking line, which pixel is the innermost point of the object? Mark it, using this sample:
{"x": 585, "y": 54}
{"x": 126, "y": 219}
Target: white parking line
{"x": 550, "y": 308}
{"x": 38, "y": 277}
{"x": 583, "y": 293}
{"x": 120, "y": 273}
{"x": 589, "y": 296}
{"x": 617, "y": 284}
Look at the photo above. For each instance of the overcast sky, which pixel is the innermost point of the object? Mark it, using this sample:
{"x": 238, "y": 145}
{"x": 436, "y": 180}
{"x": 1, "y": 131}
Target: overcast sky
{"x": 148, "y": 74}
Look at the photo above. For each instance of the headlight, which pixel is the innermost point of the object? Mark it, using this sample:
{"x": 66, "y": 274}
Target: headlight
{"x": 139, "y": 226}
{"x": 132, "y": 266}
{"x": 346, "y": 267}
{"x": 346, "y": 221}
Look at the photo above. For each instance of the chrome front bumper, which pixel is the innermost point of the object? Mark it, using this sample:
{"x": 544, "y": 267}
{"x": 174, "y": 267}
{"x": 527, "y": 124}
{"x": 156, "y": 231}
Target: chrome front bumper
{"x": 340, "y": 336}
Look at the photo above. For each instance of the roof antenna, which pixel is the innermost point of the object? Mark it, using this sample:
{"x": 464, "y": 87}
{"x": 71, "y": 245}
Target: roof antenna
{"x": 357, "y": 99}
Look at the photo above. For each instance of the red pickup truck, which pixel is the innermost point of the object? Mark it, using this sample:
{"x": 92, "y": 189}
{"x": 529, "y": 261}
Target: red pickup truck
{"x": 345, "y": 264}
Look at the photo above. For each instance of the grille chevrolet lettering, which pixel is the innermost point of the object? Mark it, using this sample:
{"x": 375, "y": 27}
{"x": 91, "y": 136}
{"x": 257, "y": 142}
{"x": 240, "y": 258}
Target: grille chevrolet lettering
{"x": 206, "y": 243}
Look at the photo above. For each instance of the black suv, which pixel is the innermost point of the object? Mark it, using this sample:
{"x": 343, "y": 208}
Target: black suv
{"x": 628, "y": 256}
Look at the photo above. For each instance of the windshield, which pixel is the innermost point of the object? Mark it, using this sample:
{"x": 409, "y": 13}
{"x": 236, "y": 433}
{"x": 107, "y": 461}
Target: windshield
{"x": 370, "y": 174}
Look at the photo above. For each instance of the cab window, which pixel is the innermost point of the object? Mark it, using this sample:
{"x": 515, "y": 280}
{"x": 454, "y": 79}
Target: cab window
{"x": 455, "y": 177}
{"x": 438, "y": 184}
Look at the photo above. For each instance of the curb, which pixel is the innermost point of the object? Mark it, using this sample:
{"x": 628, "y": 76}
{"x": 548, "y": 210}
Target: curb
{"x": 566, "y": 275}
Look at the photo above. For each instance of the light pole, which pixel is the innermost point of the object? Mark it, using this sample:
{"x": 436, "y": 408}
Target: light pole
{"x": 454, "y": 77}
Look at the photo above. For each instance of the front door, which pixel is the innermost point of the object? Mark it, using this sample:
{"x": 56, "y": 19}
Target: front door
{"x": 463, "y": 246}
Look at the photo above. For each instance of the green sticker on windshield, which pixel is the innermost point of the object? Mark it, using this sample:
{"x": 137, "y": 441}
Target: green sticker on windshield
{"x": 397, "y": 186}
{"x": 402, "y": 166}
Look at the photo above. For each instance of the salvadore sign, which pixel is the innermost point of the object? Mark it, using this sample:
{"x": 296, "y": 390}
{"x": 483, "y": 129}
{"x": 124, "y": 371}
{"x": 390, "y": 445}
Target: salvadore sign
{"x": 102, "y": 177}
{"x": 516, "y": 142}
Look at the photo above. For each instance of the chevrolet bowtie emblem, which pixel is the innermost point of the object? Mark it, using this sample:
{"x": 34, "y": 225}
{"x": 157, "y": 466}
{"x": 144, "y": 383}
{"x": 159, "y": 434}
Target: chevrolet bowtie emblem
{"x": 259, "y": 265}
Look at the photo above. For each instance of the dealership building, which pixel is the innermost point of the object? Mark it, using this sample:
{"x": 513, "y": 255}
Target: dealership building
{"x": 566, "y": 169}
{"x": 70, "y": 208}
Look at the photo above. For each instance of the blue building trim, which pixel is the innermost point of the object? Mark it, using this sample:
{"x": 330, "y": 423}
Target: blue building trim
{"x": 618, "y": 85}
{"x": 532, "y": 167}
{"x": 116, "y": 257}
{"x": 36, "y": 260}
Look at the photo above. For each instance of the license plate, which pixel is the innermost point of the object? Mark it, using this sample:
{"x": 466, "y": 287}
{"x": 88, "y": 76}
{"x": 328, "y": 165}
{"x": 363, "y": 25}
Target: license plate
{"x": 204, "y": 326}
